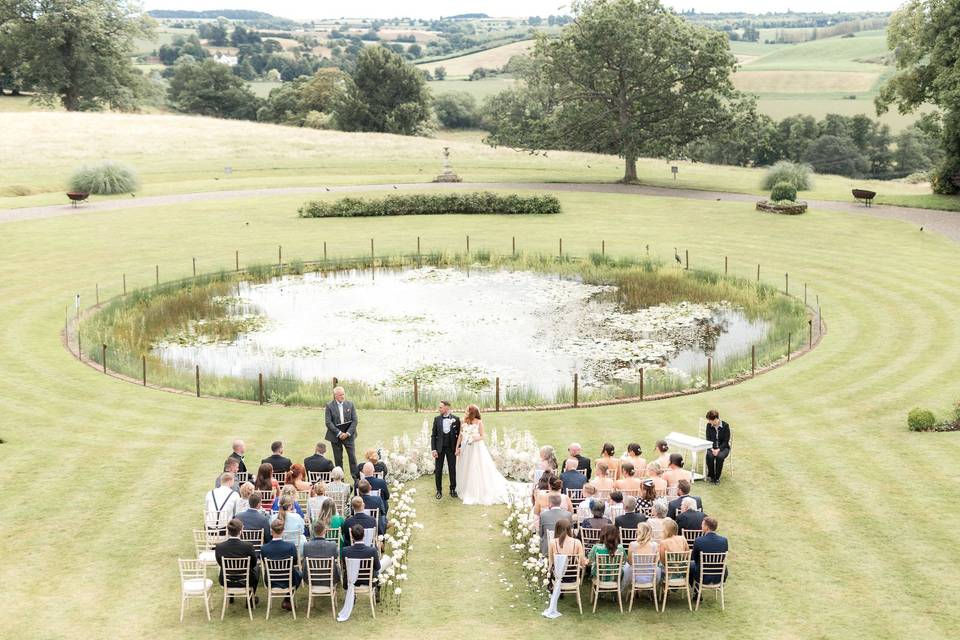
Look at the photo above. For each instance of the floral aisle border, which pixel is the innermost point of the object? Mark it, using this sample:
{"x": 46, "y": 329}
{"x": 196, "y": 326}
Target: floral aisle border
{"x": 525, "y": 542}
{"x": 397, "y": 542}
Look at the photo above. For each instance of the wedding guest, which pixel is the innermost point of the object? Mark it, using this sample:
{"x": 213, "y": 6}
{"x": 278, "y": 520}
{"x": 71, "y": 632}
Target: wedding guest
{"x": 565, "y": 544}
{"x": 371, "y": 456}
{"x": 265, "y": 481}
{"x": 234, "y": 547}
{"x": 583, "y": 462}
{"x": 280, "y": 549}
{"x": 572, "y": 479}
{"x": 220, "y": 504}
{"x": 327, "y": 514}
{"x": 246, "y": 490}
{"x": 603, "y": 481}
{"x": 662, "y": 451}
{"x": 671, "y": 541}
{"x": 709, "y": 542}
{"x": 555, "y": 489}
{"x": 683, "y": 490}
{"x": 540, "y": 489}
{"x": 318, "y": 463}
{"x": 612, "y": 462}
{"x": 548, "y": 459}
{"x": 656, "y": 520}
{"x": 589, "y": 495}
{"x": 630, "y": 517}
{"x": 292, "y": 526}
{"x": 288, "y": 491}
{"x": 609, "y": 545}
{"x": 367, "y": 471}
{"x": 628, "y": 478}
{"x": 337, "y": 488}
{"x": 647, "y": 496}
{"x": 359, "y": 550}
{"x": 373, "y": 502}
{"x": 718, "y": 432}
{"x": 318, "y": 495}
{"x": 319, "y": 547}
{"x": 615, "y": 505}
{"x": 231, "y": 466}
{"x": 253, "y": 518}
{"x": 239, "y": 450}
{"x": 597, "y": 519}
{"x": 359, "y": 517}
{"x": 297, "y": 478}
{"x": 644, "y": 545}
{"x": 675, "y": 473}
{"x": 549, "y": 518}
{"x": 655, "y": 474}
{"x": 277, "y": 460}
{"x": 690, "y": 518}
{"x": 634, "y": 455}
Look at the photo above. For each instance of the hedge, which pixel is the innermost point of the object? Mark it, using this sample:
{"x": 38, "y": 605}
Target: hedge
{"x": 431, "y": 204}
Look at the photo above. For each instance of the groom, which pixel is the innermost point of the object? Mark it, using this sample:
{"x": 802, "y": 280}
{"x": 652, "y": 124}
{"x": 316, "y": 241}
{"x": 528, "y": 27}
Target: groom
{"x": 443, "y": 442}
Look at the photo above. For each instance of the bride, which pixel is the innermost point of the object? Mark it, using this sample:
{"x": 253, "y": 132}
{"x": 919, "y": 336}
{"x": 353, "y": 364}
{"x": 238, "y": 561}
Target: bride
{"x": 480, "y": 481}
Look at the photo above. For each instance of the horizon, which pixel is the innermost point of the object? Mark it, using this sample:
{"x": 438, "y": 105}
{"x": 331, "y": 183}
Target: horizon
{"x": 507, "y": 9}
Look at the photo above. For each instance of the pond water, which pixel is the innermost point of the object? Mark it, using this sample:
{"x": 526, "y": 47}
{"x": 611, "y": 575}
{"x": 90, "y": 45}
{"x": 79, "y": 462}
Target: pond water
{"x": 455, "y": 328}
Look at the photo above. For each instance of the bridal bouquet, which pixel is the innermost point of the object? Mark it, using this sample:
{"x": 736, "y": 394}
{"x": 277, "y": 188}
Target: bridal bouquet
{"x": 470, "y": 434}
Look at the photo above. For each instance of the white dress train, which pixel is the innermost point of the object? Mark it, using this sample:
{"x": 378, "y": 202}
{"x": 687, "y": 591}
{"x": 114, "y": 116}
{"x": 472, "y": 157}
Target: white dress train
{"x": 478, "y": 480}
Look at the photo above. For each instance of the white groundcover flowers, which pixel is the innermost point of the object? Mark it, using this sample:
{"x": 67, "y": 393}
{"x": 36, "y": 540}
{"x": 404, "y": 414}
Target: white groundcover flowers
{"x": 397, "y": 541}
{"x": 520, "y": 529}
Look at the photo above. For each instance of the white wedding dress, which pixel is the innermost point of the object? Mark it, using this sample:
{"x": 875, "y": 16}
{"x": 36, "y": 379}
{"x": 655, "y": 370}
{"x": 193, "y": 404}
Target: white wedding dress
{"x": 478, "y": 480}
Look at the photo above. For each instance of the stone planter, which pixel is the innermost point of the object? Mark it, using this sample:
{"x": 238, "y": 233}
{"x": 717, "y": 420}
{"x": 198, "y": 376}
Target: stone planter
{"x": 785, "y": 208}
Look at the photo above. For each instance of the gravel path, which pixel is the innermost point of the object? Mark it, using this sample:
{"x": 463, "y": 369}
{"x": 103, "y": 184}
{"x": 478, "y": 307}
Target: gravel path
{"x": 945, "y": 222}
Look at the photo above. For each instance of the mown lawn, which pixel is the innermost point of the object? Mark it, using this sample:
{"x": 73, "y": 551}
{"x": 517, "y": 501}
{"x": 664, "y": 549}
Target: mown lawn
{"x": 839, "y": 518}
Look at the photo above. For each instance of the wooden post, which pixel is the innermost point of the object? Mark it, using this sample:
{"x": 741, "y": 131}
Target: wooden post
{"x": 416, "y": 395}
{"x": 561, "y": 247}
{"x": 371, "y": 249}
{"x": 641, "y": 383}
{"x": 687, "y": 254}
{"x": 786, "y": 283}
{"x": 198, "y": 381}
{"x": 336, "y": 381}
{"x": 804, "y": 294}
{"x": 810, "y": 339}
{"x": 260, "y": 381}
{"x": 79, "y": 346}
{"x": 143, "y": 359}
{"x": 418, "y": 247}
{"x": 753, "y": 360}
{"x": 97, "y": 289}
{"x": 789, "y": 345}
{"x": 726, "y": 265}
{"x": 104, "y": 360}
{"x": 156, "y": 276}
{"x": 576, "y": 390}
{"x": 603, "y": 248}
{"x": 280, "y": 257}
{"x": 496, "y": 395}
{"x": 758, "y": 272}
{"x": 514, "y": 251}
{"x": 194, "y": 267}
{"x": 124, "y": 284}
{"x": 819, "y": 320}
{"x": 709, "y": 372}
{"x": 468, "y": 246}
{"x": 236, "y": 259}
{"x": 324, "y": 250}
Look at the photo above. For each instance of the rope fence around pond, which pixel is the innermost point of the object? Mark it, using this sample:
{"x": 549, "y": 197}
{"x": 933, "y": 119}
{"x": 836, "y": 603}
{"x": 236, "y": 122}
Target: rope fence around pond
{"x": 268, "y": 389}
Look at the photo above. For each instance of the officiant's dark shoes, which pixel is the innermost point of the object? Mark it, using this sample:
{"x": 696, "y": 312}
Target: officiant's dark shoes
{"x": 439, "y": 495}
{"x": 453, "y": 494}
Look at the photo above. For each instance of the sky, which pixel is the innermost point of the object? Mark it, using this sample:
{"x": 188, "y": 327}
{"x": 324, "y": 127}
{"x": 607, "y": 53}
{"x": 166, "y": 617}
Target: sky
{"x": 301, "y": 9}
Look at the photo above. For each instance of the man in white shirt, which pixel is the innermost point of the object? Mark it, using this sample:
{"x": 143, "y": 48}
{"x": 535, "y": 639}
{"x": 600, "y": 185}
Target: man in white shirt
{"x": 221, "y": 504}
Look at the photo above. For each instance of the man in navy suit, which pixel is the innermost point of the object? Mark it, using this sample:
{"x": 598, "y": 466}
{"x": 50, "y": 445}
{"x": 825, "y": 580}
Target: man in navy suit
{"x": 683, "y": 491}
{"x": 709, "y": 542}
{"x": 689, "y": 519}
{"x": 277, "y": 460}
{"x": 376, "y": 484}
{"x": 718, "y": 432}
{"x": 373, "y": 502}
{"x": 572, "y": 479}
{"x": 253, "y": 518}
{"x": 630, "y": 517}
{"x": 234, "y": 547}
{"x": 318, "y": 463}
{"x": 358, "y": 550}
{"x": 365, "y": 521}
{"x": 280, "y": 549}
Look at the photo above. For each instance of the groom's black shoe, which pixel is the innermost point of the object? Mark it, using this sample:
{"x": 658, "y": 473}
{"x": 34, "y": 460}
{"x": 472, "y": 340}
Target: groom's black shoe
{"x": 439, "y": 495}
{"x": 453, "y": 494}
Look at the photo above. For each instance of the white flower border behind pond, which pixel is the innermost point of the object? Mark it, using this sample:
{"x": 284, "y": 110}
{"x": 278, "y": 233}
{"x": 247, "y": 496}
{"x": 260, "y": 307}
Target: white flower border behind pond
{"x": 521, "y": 530}
{"x": 397, "y": 542}
{"x": 515, "y": 453}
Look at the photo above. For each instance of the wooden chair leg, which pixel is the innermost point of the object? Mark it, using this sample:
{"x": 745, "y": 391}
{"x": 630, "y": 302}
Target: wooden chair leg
{"x": 632, "y": 592}
{"x": 373, "y": 608}
{"x": 293, "y": 604}
{"x": 224, "y": 609}
{"x": 699, "y": 595}
{"x": 269, "y": 602}
{"x": 579, "y": 602}
{"x": 309, "y": 601}
{"x": 183, "y": 604}
{"x": 689, "y": 601}
{"x": 206, "y": 604}
{"x": 250, "y": 604}
{"x": 722, "y": 606}
{"x": 620, "y": 600}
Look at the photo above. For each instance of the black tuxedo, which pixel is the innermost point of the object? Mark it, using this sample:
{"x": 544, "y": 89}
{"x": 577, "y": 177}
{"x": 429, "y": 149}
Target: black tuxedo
{"x": 445, "y": 444}
{"x": 242, "y": 468}
{"x": 690, "y": 520}
{"x": 317, "y": 464}
{"x": 279, "y": 463}
{"x": 720, "y": 437}
{"x": 674, "y": 507}
{"x": 583, "y": 462}
{"x": 237, "y": 548}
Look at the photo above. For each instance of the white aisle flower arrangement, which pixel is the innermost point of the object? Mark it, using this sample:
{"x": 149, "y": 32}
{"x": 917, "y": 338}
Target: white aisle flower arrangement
{"x": 397, "y": 541}
{"x": 520, "y": 528}
{"x": 515, "y": 453}
{"x": 408, "y": 459}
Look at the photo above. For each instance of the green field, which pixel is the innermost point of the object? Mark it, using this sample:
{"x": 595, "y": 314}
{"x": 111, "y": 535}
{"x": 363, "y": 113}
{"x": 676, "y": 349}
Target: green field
{"x": 838, "y": 517}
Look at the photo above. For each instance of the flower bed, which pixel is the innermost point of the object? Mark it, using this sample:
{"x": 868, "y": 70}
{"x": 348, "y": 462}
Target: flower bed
{"x": 786, "y": 208}
{"x": 397, "y": 542}
{"x": 525, "y": 542}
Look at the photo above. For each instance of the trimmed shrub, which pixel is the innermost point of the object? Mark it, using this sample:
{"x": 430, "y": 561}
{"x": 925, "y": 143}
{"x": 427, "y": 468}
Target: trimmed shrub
{"x": 921, "y": 420}
{"x": 797, "y": 174}
{"x": 425, "y": 204}
{"x": 105, "y": 178}
{"x": 783, "y": 191}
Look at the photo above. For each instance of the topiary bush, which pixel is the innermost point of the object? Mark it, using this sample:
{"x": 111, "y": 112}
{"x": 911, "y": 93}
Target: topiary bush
{"x": 921, "y": 420}
{"x": 105, "y": 178}
{"x": 797, "y": 174}
{"x": 783, "y": 191}
{"x": 431, "y": 204}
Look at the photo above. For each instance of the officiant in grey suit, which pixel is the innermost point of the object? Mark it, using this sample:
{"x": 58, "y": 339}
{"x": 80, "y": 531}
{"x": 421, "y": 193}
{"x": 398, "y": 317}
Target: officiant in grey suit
{"x": 341, "y": 420}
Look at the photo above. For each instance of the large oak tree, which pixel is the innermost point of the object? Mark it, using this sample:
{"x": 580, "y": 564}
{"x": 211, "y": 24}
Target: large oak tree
{"x": 626, "y": 77}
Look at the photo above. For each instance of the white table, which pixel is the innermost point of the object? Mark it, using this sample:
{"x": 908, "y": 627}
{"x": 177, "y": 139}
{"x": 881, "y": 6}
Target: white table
{"x": 691, "y": 444}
